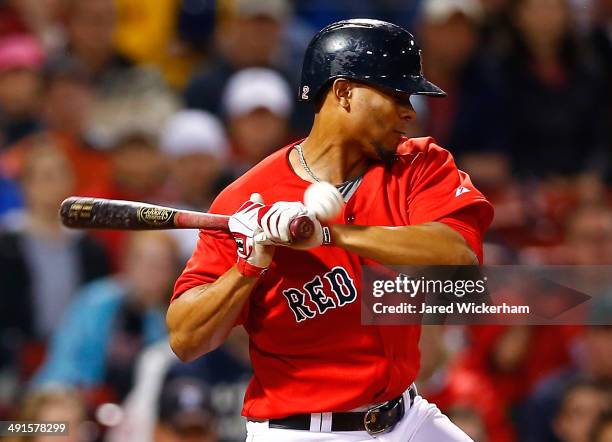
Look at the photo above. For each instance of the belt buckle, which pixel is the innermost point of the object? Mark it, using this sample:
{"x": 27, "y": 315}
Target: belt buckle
{"x": 370, "y": 418}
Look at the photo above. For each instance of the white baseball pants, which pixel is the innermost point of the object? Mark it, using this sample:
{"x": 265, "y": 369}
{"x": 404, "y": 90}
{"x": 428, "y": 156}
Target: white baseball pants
{"x": 423, "y": 422}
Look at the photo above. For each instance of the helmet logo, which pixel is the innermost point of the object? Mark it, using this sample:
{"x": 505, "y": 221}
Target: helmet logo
{"x": 305, "y": 91}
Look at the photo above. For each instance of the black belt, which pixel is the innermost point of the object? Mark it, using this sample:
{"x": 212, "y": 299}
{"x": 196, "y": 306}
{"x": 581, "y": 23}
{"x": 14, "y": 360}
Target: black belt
{"x": 376, "y": 420}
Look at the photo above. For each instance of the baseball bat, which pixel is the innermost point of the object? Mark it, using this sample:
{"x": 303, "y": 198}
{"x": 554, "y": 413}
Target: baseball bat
{"x": 100, "y": 213}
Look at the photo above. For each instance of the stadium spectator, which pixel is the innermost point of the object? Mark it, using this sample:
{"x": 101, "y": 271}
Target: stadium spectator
{"x": 138, "y": 168}
{"x": 91, "y": 26}
{"x": 453, "y": 387}
{"x": 21, "y": 59}
{"x": 140, "y": 405}
{"x": 225, "y": 371}
{"x": 41, "y": 263}
{"x": 43, "y": 19}
{"x": 257, "y": 103}
{"x": 517, "y": 220}
{"x": 67, "y": 108}
{"x": 112, "y": 319}
{"x": 589, "y": 236}
{"x": 144, "y": 29}
{"x": 555, "y": 99}
{"x": 53, "y": 404}
{"x": 185, "y": 413}
{"x": 581, "y": 406}
{"x": 196, "y": 22}
{"x": 469, "y": 119}
{"x": 470, "y": 422}
{"x": 196, "y": 147}
{"x": 602, "y": 430}
{"x": 138, "y": 172}
{"x": 171, "y": 34}
{"x": 127, "y": 96}
{"x": 592, "y": 362}
{"x": 67, "y": 100}
{"x": 494, "y": 22}
{"x": 68, "y": 96}
{"x": 516, "y": 358}
{"x": 250, "y": 36}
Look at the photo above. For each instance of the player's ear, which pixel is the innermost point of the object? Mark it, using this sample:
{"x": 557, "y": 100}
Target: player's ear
{"x": 343, "y": 91}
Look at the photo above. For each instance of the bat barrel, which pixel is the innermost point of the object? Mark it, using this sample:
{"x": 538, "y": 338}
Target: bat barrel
{"x": 98, "y": 213}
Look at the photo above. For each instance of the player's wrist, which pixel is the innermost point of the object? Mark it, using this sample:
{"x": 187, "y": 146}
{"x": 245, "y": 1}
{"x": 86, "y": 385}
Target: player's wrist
{"x": 249, "y": 270}
{"x": 339, "y": 235}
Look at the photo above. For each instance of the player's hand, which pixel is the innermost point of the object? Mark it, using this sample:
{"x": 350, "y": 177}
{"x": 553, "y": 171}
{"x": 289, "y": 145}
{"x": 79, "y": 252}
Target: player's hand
{"x": 254, "y": 255}
{"x": 275, "y": 221}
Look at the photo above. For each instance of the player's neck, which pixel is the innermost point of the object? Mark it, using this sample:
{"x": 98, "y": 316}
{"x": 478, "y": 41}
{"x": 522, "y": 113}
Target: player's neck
{"x": 330, "y": 157}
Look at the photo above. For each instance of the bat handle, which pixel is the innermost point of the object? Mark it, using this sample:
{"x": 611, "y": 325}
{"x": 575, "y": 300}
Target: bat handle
{"x": 301, "y": 228}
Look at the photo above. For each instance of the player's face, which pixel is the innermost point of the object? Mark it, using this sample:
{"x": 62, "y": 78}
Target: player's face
{"x": 381, "y": 119}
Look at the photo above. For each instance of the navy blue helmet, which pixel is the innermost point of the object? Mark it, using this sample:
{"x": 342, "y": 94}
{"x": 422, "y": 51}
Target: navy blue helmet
{"x": 370, "y": 51}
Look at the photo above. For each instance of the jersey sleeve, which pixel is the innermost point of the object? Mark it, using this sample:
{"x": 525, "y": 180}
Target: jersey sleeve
{"x": 465, "y": 222}
{"x": 439, "y": 191}
{"x": 214, "y": 254}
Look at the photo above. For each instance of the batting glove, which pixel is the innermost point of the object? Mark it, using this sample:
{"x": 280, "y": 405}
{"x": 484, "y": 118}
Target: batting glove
{"x": 254, "y": 256}
{"x": 275, "y": 221}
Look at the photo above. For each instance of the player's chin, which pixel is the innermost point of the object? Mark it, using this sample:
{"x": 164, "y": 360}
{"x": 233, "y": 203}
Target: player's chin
{"x": 386, "y": 153}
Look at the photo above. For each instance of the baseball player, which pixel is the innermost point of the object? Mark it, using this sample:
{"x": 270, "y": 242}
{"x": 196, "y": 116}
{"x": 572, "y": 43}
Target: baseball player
{"x": 319, "y": 375}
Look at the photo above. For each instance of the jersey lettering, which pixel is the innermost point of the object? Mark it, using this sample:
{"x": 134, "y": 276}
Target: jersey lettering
{"x": 296, "y": 300}
{"x": 315, "y": 291}
{"x": 342, "y": 287}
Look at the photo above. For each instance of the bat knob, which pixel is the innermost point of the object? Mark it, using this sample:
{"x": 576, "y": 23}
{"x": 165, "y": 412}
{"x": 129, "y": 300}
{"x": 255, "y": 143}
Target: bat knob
{"x": 302, "y": 228}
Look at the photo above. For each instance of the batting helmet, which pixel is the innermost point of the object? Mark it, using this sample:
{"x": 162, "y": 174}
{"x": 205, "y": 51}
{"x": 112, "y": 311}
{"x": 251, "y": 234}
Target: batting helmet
{"x": 370, "y": 51}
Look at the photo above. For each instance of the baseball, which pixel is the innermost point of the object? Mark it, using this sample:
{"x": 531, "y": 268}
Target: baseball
{"x": 324, "y": 200}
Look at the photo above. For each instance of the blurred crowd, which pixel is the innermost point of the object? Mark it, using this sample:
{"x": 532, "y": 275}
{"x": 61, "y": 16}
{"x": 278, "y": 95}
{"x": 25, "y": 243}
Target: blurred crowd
{"x": 168, "y": 101}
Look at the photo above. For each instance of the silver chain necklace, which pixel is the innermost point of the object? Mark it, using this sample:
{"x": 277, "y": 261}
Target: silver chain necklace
{"x": 356, "y": 180}
{"x": 304, "y": 165}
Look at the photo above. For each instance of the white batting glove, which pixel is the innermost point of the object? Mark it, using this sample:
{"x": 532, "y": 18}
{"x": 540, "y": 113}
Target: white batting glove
{"x": 276, "y": 220}
{"x": 254, "y": 256}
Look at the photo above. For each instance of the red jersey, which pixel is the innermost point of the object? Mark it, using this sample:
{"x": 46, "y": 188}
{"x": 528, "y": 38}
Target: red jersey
{"x": 308, "y": 348}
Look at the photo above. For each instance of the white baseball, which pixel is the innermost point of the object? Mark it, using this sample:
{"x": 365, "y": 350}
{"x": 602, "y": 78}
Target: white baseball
{"x": 324, "y": 200}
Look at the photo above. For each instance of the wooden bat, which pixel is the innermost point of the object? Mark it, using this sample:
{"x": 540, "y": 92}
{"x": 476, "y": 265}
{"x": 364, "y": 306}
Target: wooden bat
{"x": 99, "y": 213}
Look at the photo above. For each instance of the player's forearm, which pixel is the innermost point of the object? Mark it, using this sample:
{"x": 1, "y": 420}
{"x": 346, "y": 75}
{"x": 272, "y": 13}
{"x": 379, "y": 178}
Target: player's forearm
{"x": 200, "y": 319}
{"x": 423, "y": 244}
